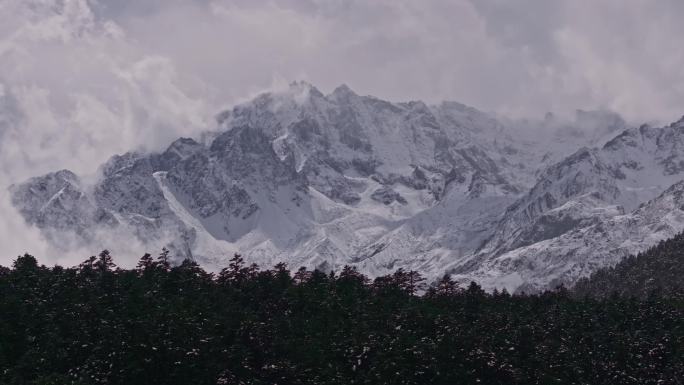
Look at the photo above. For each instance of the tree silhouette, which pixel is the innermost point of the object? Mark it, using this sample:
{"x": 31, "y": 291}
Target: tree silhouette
{"x": 164, "y": 324}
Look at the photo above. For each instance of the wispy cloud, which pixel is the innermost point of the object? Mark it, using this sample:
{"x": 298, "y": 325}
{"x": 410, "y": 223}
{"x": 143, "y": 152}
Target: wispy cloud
{"x": 83, "y": 79}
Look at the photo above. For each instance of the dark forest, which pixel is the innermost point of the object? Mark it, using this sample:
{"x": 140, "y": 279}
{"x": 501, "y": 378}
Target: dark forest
{"x": 163, "y": 324}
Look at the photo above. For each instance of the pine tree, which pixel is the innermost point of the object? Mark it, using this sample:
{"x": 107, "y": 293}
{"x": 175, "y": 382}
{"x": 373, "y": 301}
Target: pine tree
{"x": 104, "y": 262}
{"x": 163, "y": 260}
{"x": 410, "y": 282}
{"x": 446, "y": 287}
{"x": 25, "y": 263}
{"x": 145, "y": 264}
{"x": 235, "y": 273}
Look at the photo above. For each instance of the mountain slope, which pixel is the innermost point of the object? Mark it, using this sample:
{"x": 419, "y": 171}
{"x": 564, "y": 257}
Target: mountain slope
{"x": 584, "y": 249}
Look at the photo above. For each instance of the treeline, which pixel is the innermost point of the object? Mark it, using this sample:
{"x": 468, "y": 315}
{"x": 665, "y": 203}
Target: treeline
{"x": 657, "y": 272}
{"x": 163, "y": 324}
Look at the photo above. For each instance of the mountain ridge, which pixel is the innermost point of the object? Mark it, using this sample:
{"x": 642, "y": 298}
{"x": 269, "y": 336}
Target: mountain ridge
{"x": 328, "y": 180}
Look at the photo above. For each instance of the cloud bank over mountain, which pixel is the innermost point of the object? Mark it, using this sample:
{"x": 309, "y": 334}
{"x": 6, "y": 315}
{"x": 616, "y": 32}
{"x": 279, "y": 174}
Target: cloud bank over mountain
{"x": 81, "y": 80}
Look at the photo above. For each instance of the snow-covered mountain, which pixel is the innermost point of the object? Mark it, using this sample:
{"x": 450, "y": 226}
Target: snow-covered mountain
{"x": 328, "y": 180}
{"x": 588, "y": 211}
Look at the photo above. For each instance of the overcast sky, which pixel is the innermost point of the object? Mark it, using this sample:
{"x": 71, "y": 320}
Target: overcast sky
{"x": 83, "y": 79}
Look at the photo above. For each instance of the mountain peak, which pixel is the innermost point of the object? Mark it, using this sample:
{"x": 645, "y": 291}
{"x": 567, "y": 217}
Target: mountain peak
{"x": 676, "y": 188}
{"x": 182, "y": 143}
{"x": 300, "y": 91}
{"x": 343, "y": 92}
{"x": 66, "y": 175}
{"x": 343, "y": 89}
{"x": 182, "y": 148}
{"x": 60, "y": 177}
{"x": 603, "y": 121}
{"x": 679, "y": 123}
{"x": 303, "y": 86}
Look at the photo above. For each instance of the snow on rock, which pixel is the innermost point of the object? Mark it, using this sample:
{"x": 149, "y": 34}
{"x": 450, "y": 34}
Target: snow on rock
{"x": 328, "y": 180}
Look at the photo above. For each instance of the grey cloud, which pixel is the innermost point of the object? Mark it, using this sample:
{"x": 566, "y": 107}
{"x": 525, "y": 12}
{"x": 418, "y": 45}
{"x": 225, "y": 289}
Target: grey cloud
{"x": 89, "y": 78}
{"x": 518, "y": 58}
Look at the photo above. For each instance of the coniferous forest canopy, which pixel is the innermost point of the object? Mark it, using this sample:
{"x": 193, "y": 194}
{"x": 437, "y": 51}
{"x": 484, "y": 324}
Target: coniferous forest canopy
{"x": 162, "y": 324}
{"x": 656, "y": 272}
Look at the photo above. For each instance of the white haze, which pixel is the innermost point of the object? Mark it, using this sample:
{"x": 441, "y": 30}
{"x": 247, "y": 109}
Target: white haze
{"x": 81, "y": 80}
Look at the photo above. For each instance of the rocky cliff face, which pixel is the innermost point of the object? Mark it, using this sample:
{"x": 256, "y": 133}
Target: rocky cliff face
{"x": 328, "y": 180}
